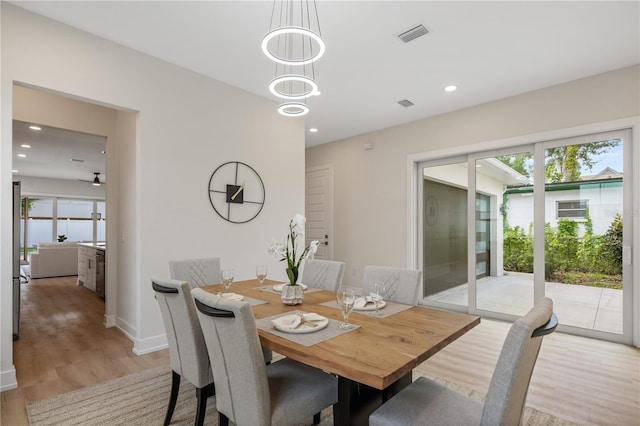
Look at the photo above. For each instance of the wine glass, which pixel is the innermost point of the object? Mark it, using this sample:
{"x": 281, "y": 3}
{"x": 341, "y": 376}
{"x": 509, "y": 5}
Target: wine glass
{"x": 261, "y": 274}
{"x": 346, "y": 298}
{"x": 377, "y": 294}
{"x": 227, "y": 278}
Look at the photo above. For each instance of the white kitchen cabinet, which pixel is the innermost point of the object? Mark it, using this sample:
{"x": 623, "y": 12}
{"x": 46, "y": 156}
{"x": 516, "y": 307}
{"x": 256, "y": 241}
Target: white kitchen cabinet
{"x": 87, "y": 267}
{"x": 91, "y": 267}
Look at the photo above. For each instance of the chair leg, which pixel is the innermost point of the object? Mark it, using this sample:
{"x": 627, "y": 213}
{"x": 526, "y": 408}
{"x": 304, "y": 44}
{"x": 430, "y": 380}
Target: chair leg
{"x": 175, "y": 387}
{"x": 202, "y": 394}
{"x": 223, "y": 420}
{"x": 316, "y": 419}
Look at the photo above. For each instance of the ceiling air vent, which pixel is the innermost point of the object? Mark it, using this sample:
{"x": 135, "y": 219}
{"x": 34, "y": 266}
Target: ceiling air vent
{"x": 413, "y": 33}
{"x": 405, "y": 103}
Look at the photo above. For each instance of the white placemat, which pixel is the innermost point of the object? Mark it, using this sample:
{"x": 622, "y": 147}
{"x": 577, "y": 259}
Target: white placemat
{"x": 308, "y": 339}
{"x": 269, "y": 289}
{"x": 389, "y": 309}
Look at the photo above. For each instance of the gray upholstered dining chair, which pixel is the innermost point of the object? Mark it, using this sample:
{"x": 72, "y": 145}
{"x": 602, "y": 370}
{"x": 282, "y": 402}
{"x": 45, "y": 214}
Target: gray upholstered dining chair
{"x": 403, "y": 285}
{"x": 197, "y": 272}
{"x": 188, "y": 354}
{"x": 324, "y": 274}
{"x": 426, "y": 402}
{"x": 200, "y": 272}
{"x": 248, "y": 392}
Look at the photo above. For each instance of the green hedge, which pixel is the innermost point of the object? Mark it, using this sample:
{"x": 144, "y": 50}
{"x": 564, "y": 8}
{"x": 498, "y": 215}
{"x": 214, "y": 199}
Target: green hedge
{"x": 564, "y": 250}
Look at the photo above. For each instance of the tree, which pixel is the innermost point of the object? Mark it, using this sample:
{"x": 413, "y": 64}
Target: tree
{"x": 519, "y": 162}
{"x": 30, "y": 202}
{"x": 612, "y": 246}
{"x": 564, "y": 163}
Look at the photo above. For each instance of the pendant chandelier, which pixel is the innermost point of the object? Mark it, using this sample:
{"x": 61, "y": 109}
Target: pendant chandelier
{"x": 294, "y": 43}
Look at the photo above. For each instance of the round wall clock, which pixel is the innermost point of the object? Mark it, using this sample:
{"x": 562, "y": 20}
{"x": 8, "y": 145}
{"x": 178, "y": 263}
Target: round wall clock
{"x": 236, "y": 192}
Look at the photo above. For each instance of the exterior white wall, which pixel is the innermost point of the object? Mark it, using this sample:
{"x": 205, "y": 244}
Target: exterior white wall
{"x": 520, "y": 211}
{"x": 604, "y": 204}
{"x": 173, "y": 129}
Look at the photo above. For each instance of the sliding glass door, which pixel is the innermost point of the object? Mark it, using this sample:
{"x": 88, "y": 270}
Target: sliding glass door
{"x": 504, "y": 231}
{"x": 443, "y": 191}
{"x": 585, "y": 231}
{"x": 499, "y": 229}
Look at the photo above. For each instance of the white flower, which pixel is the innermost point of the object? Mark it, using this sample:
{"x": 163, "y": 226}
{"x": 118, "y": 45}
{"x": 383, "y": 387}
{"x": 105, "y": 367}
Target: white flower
{"x": 313, "y": 248}
{"x": 297, "y": 224}
{"x": 277, "y": 249}
{"x": 288, "y": 250}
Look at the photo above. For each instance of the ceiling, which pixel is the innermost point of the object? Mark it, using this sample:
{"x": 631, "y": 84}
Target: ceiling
{"x": 57, "y": 153}
{"x": 490, "y": 50}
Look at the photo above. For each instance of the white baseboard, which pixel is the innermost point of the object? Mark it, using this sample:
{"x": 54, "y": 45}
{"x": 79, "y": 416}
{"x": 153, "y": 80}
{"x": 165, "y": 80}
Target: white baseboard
{"x": 128, "y": 329}
{"x": 8, "y": 379}
{"x": 142, "y": 346}
{"x": 109, "y": 321}
{"x": 151, "y": 344}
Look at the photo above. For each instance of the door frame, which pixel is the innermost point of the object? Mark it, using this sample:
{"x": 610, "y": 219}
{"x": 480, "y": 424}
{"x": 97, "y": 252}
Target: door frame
{"x": 631, "y": 336}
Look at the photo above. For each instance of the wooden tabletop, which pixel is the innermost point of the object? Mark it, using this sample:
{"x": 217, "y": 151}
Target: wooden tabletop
{"x": 378, "y": 353}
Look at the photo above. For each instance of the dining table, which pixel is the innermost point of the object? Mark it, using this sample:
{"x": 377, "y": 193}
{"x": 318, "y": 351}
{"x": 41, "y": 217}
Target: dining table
{"x": 372, "y": 361}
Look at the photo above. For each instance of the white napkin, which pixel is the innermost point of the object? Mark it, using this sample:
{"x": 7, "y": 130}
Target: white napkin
{"x": 278, "y": 287}
{"x": 232, "y": 296}
{"x": 293, "y": 321}
{"x": 361, "y": 302}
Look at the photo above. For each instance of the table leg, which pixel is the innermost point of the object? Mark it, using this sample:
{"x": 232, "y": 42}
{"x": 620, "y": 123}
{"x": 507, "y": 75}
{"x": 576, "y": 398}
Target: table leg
{"x": 357, "y": 401}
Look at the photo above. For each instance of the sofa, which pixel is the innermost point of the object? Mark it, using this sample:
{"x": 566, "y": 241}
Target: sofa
{"x": 54, "y": 260}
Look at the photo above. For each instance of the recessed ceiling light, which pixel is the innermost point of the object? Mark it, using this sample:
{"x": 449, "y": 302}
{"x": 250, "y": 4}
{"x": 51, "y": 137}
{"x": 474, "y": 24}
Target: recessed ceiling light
{"x": 35, "y": 127}
{"x": 24, "y": 145}
{"x": 22, "y": 155}
{"x": 14, "y": 171}
{"x": 450, "y": 88}
{"x": 313, "y": 130}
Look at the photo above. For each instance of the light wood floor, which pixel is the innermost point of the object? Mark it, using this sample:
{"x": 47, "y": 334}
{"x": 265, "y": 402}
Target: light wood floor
{"x": 63, "y": 346}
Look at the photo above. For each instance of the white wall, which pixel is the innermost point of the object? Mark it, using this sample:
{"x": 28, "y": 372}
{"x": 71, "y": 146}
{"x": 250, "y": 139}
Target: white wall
{"x": 185, "y": 125}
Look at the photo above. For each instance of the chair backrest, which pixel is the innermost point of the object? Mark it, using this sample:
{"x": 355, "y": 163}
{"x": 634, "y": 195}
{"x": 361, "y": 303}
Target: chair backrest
{"x": 187, "y": 348}
{"x": 324, "y": 274}
{"x": 242, "y": 387}
{"x": 402, "y": 284}
{"x": 197, "y": 272}
{"x": 507, "y": 391}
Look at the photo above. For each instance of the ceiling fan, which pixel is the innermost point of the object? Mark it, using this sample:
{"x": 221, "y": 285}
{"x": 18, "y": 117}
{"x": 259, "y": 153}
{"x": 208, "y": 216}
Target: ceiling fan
{"x": 95, "y": 181}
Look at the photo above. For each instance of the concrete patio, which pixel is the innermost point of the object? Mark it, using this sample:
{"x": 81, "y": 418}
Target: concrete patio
{"x": 576, "y": 305}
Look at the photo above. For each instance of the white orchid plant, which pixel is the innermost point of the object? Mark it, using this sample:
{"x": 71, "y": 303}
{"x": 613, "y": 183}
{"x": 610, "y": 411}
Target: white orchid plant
{"x": 288, "y": 250}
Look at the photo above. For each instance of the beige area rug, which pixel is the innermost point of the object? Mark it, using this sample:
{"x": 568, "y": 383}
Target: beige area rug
{"x": 141, "y": 399}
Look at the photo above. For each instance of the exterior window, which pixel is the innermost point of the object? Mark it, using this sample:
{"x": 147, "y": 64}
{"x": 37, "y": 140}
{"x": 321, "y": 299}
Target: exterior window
{"x": 572, "y": 209}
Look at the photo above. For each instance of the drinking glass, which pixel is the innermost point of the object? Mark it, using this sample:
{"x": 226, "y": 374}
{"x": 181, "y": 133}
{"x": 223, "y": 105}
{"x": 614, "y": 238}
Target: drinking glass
{"x": 261, "y": 274}
{"x": 227, "y": 278}
{"x": 346, "y": 299}
{"x": 377, "y": 294}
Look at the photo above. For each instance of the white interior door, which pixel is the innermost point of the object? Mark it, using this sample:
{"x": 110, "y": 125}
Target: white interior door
{"x": 319, "y": 209}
